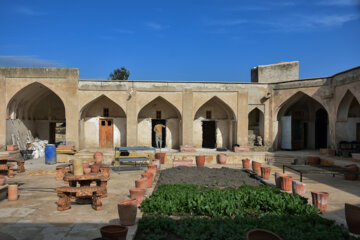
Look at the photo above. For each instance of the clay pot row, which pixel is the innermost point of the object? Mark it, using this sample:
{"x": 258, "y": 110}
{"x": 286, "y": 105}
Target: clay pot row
{"x": 257, "y": 168}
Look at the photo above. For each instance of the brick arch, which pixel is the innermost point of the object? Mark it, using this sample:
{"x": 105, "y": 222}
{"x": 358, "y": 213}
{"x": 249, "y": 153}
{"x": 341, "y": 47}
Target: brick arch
{"x": 143, "y": 106}
{"x": 344, "y": 105}
{"x": 228, "y": 109}
{"x": 94, "y": 100}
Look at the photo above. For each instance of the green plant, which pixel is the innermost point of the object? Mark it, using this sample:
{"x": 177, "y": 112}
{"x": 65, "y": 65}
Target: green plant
{"x": 187, "y": 199}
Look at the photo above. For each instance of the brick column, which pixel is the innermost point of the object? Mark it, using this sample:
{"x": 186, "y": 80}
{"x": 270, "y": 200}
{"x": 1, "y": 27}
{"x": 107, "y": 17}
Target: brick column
{"x": 187, "y": 117}
{"x": 242, "y": 118}
{"x": 2, "y": 110}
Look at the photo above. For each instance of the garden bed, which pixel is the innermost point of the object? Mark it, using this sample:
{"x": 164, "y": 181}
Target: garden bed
{"x": 211, "y": 177}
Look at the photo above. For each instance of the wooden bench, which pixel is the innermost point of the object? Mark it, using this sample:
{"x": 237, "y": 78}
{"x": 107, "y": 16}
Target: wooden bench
{"x": 85, "y": 193}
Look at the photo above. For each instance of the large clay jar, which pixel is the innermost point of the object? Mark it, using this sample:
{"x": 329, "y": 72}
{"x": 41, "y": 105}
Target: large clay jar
{"x": 157, "y": 163}
{"x": 127, "y": 210}
{"x": 12, "y": 192}
{"x": 319, "y": 200}
{"x": 116, "y": 232}
{"x": 85, "y": 165}
{"x": 256, "y": 167}
{"x": 160, "y": 156}
{"x": 141, "y": 183}
{"x": 277, "y": 179}
{"x": 313, "y": 160}
{"x": 265, "y": 172}
{"x": 138, "y": 194}
{"x": 2, "y": 180}
{"x": 99, "y": 157}
{"x": 95, "y": 168}
{"x": 222, "y": 158}
{"x": 260, "y": 234}
{"x": 351, "y": 176}
{"x": 285, "y": 182}
{"x": 78, "y": 167}
{"x": 298, "y": 188}
{"x": 352, "y": 215}
{"x": 149, "y": 177}
{"x": 200, "y": 161}
{"x": 246, "y": 163}
{"x": 153, "y": 167}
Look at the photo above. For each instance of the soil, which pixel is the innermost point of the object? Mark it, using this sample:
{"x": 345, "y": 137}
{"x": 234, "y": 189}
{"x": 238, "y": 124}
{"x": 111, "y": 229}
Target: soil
{"x": 211, "y": 177}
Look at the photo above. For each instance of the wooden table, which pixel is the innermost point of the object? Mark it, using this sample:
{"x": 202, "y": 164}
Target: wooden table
{"x": 317, "y": 169}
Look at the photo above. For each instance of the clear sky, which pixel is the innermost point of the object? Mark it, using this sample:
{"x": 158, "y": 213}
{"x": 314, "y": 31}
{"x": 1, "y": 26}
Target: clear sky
{"x": 197, "y": 40}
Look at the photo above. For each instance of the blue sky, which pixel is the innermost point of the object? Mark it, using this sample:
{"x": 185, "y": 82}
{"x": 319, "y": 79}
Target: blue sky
{"x": 197, "y": 40}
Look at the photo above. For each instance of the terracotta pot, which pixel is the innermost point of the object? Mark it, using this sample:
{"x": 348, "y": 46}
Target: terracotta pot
{"x": 87, "y": 170}
{"x": 261, "y": 234}
{"x": 200, "y": 161}
{"x": 351, "y": 176}
{"x": 277, "y": 179}
{"x": 141, "y": 183}
{"x": 149, "y": 177}
{"x": 319, "y": 200}
{"x": 99, "y": 157}
{"x": 352, "y": 215}
{"x": 116, "y": 232}
{"x": 298, "y": 188}
{"x": 86, "y": 165}
{"x": 161, "y": 157}
{"x": 246, "y": 163}
{"x": 138, "y": 194}
{"x": 153, "y": 167}
{"x": 127, "y": 210}
{"x": 157, "y": 163}
{"x": 12, "y": 192}
{"x": 95, "y": 168}
{"x": 285, "y": 183}
{"x": 313, "y": 160}
{"x": 222, "y": 158}
{"x": 256, "y": 167}
{"x": 2, "y": 180}
{"x": 153, "y": 173}
{"x": 265, "y": 172}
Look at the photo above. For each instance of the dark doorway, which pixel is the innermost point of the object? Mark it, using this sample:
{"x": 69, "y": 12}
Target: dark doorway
{"x": 106, "y": 135}
{"x": 52, "y": 132}
{"x": 153, "y": 123}
{"x": 209, "y": 134}
{"x": 305, "y": 135}
{"x": 321, "y": 126}
{"x": 358, "y": 132}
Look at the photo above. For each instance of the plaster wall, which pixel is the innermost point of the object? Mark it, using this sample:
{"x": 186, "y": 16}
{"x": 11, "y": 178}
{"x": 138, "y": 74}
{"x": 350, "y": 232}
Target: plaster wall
{"x": 346, "y": 131}
{"x": 279, "y": 72}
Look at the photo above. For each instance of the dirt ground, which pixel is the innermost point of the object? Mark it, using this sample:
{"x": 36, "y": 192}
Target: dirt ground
{"x": 211, "y": 177}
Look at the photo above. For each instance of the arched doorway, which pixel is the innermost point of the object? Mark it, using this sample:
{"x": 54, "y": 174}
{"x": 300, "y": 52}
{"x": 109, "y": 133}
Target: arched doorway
{"x": 214, "y": 125}
{"x": 102, "y": 124}
{"x": 35, "y": 112}
{"x": 303, "y": 123}
{"x": 160, "y": 111}
{"x": 256, "y": 127}
{"x": 348, "y": 119}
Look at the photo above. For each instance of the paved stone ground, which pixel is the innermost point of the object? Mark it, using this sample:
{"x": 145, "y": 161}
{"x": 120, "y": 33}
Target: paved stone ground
{"x": 34, "y": 215}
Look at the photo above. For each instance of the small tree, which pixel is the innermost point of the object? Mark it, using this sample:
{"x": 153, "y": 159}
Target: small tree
{"x": 120, "y": 74}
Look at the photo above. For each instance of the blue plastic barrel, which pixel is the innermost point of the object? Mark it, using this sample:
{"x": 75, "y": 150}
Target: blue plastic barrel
{"x": 50, "y": 154}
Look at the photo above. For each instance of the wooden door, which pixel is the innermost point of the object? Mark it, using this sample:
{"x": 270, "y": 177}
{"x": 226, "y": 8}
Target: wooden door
{"x": 106, "y": 133}
{"x": 209, "y": 134}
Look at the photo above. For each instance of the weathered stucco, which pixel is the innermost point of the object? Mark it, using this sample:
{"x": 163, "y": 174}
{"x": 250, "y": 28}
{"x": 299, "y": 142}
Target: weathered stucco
{"x": 132, "y": 105}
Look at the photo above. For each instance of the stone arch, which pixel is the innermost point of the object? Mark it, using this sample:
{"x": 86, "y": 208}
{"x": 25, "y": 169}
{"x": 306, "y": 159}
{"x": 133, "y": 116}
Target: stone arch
{"x": 348, "y": 118}
{"x": 102, "y": 124}
{"x": 159, "y": 110}
{"x": 297, "y": 123}
{"x": 255, "y": 126}
{"x": 38, "y": 110}
{"x": 214, "y": 124}
{"x": 217, "y": 99}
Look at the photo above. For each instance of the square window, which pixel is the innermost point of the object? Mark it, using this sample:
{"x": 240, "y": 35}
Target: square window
{"x": 208, "y": 114}
{"x": 158, "y": 114}
{"x": 106, "y": 112}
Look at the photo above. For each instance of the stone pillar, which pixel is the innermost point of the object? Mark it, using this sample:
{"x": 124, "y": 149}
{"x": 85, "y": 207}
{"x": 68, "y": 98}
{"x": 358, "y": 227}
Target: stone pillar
{"x": 3, "y": 110}
{"x": 242, "y": 118}
{"x": 187, "y": 117}
{"x": 131, "y": 121}
{"x": 267, "y": 123}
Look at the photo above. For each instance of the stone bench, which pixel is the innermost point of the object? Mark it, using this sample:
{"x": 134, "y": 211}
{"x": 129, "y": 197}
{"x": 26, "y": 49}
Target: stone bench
{"x": 187, "y": 163}
{"x": 85, "y": 193}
